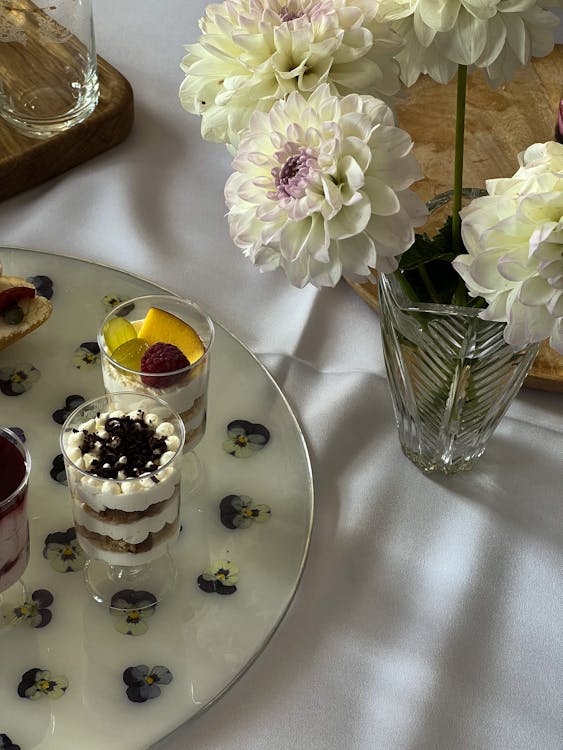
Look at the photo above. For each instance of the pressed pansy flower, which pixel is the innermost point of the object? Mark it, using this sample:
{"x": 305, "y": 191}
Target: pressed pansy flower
{"x": 219, "y": 578}
{"x": 110, "y": 301}
{"x": 321, "y": 189}
{"x": 245, "y": 438}
{"x": 39, "y": 683}
{"x": 43, "y": 284}
{"x": 131, "y": 610}
{"x": 499, "y": 36}
{"x": 251, "y": 54}
{"x": 72, "y": 402}
{"x": 143, "y": 683}
{"x": 63, "y": 552}
{"x": 86, "y": 355}
{"x": 7, "y": 744}
{"x": 34, "y": 612}
{"x": 240, "y": 511}
{"x": 19, "y": 378}
{"x": 58, "y": 470}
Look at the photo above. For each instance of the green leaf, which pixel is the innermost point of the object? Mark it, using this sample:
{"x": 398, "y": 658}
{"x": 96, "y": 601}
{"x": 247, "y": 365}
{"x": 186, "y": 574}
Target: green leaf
{"x": 427, "y": 267}
{"x": 424, "y": 250}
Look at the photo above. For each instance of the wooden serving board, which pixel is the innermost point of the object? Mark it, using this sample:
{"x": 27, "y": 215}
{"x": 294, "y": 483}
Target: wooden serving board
{"x": 27, "y": 162}
{"x": 499, "y": 125}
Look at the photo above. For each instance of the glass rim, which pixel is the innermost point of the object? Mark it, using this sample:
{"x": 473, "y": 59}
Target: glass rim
{"x": 170, "y": 373}
{"x": 404, "y": 302}
{"x": 13, "y": 438}
{"x": 65, "y": 429}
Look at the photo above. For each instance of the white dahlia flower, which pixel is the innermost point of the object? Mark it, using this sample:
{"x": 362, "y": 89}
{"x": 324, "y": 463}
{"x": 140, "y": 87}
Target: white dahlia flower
{"x": 321, "y": 188}
{"x": 514, "y": 239}
{"x": 499, "y": 36}
{"x": 253, "y": 52}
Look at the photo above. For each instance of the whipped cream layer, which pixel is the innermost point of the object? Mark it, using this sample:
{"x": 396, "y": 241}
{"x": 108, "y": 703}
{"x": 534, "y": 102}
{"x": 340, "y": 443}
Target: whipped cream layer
{"x": 180, "y": 396}
{"x": 127, "y": 495}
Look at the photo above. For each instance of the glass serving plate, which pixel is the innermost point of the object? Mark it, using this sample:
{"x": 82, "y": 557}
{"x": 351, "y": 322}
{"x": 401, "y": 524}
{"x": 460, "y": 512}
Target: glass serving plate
{"x": 75, "y": 673}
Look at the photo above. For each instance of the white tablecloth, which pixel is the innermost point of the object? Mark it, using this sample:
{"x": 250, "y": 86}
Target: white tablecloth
{"x": 429, "y": 614}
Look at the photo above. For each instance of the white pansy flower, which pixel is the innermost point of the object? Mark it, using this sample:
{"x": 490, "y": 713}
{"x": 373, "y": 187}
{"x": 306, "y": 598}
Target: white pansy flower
{"x": 499, "y": 36}
{"x": 514, "y": 239}
{"x": 321, "y": 189}
{"x": 253, "y": 52}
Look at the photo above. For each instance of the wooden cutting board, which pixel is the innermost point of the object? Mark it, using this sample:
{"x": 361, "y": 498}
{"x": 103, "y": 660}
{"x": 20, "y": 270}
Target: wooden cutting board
{"x": 499, "y": 124}
{"x": 27, "y": 162}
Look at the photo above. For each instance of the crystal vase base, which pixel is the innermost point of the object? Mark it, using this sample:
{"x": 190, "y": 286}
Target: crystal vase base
{"x": 451, "y": 376}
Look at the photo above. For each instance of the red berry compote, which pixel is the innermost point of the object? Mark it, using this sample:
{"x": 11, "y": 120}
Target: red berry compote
{"x": 14, "y": 535}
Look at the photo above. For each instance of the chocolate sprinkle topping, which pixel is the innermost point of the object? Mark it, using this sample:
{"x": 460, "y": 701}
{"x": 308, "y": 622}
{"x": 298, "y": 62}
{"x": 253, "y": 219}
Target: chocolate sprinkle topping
{"x": 131, "y": 447}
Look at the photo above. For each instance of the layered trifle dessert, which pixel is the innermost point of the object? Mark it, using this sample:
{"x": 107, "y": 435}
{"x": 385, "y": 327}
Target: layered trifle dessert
{"x": 14, "y": 534}
{"x": 123, "y": 470}
{"x": 161, "y": 348}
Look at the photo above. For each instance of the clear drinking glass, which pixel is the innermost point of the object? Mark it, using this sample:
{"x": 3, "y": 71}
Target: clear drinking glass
{"x": 184, "y": 389}
{"x": 123, "y": 455}
{"x": 15, "y": 465}
{"x": 48, "y": 71}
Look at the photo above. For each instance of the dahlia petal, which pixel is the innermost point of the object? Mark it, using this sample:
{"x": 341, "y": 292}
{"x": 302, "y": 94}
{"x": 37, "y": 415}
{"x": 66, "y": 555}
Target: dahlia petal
{"x": 498, "y": 307}
{"x": 555, "y": 305}
{"x": 535, "y": 291}
{"x": 355, "y": 44}
{"x": 294, "y": 237}
{"x": 556, "y": 338}
{"x": 357, "y": 254}
{"x": 485, "y": 271}
{"x": 326, "y": 274}
{"x": 352, "y": 173}
{"x": 297, "y": 272}
{"x": 440, "y": 15}
{"x": 351, "y": 220}
{"x": 414, "y": 207}
{"x": 383, "y": 199}
{"x": 360, "y": 77}
{"x": 512, "y": 269}
{"x": 466, "y": 42}
{"x": 527, "y": 325}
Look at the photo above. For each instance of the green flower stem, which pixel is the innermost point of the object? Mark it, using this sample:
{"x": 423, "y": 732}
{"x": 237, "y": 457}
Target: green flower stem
{"x": 458, "y": 159}
{"x": 460, "y": 295}
{"x": 429, "y": 286}
{"x": 407, "y": 288}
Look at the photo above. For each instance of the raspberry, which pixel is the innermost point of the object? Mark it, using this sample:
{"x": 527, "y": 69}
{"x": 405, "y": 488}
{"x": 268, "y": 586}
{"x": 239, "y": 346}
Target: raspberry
{"x": 162, "y": 357}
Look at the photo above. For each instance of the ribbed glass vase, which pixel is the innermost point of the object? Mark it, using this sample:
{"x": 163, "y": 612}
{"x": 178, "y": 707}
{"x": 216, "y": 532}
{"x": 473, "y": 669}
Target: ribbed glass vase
{"x": 451, "y": 375}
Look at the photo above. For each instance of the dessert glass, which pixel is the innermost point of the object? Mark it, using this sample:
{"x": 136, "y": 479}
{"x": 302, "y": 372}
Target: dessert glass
{"x": 15, "y": 465}
{"x": 187, "y": 394}
{"x": 126, "y": 511}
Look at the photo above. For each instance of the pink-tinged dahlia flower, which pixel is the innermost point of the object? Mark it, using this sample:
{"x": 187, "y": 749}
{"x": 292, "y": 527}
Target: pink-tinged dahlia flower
{"x": 499, "y": 36}
{"x": 321, "y": 189}
{"x": 514, "y": 239}
{"x": 253, "y": 52}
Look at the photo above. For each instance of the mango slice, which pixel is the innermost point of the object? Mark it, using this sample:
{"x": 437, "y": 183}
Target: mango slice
{"x": 162, "y": 326}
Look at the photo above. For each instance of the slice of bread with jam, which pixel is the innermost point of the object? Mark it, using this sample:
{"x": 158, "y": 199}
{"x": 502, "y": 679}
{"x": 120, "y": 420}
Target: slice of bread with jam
{"x": 22, "y": 310}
